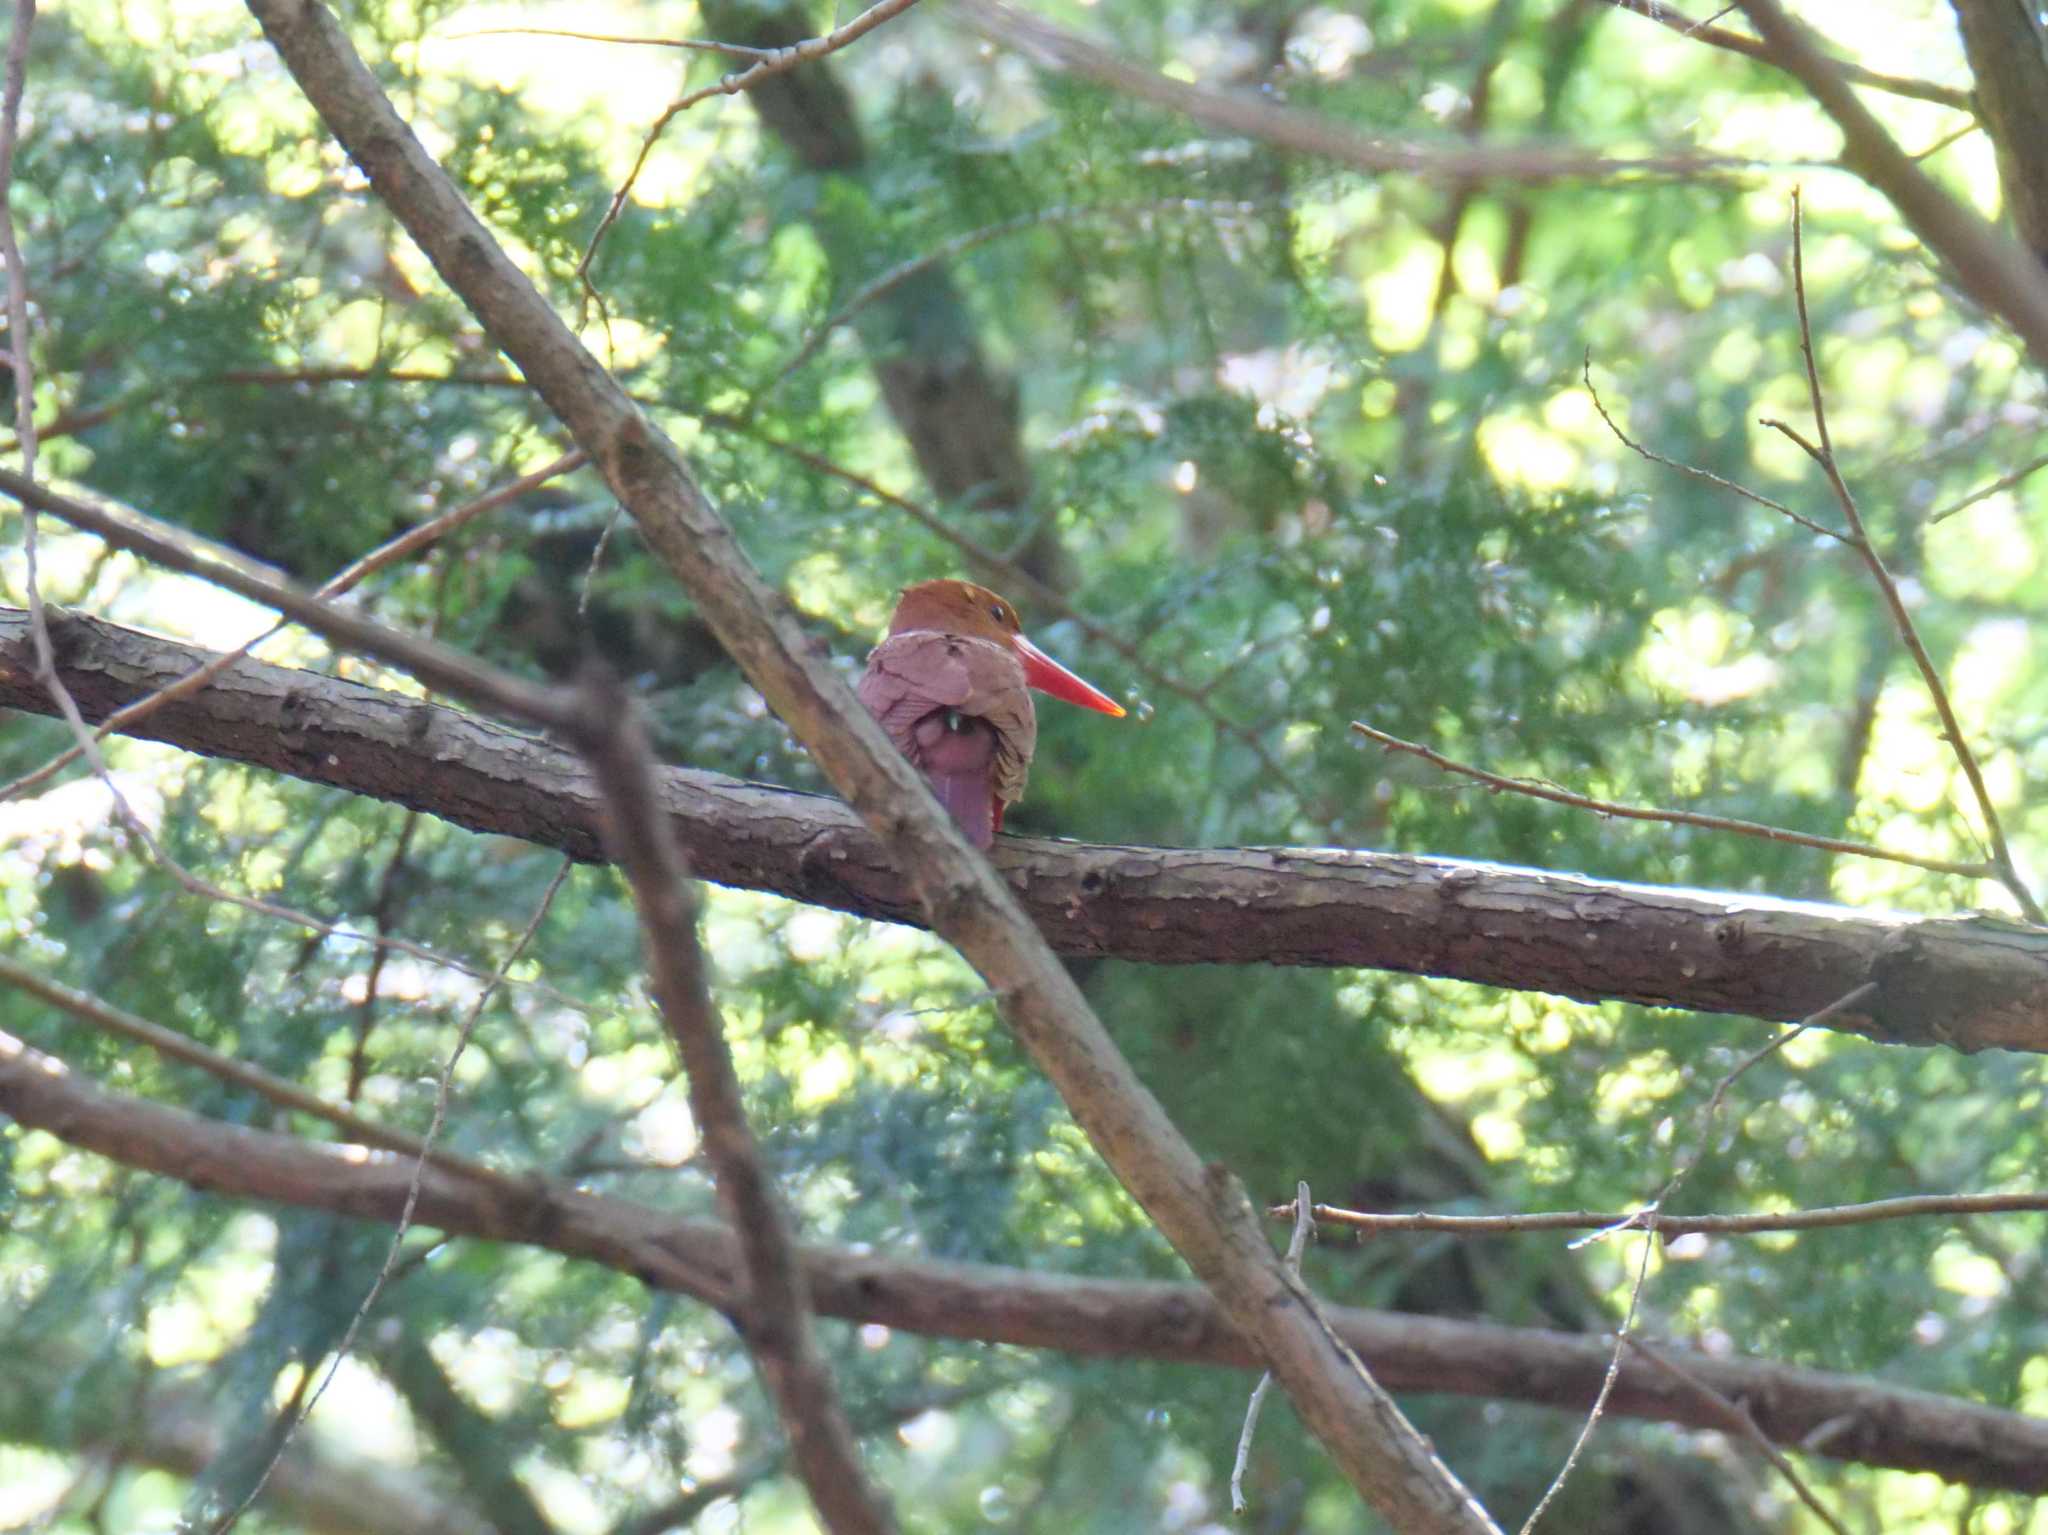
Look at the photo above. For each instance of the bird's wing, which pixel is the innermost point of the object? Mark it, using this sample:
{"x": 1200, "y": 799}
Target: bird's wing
{"x": 910, "y": 675}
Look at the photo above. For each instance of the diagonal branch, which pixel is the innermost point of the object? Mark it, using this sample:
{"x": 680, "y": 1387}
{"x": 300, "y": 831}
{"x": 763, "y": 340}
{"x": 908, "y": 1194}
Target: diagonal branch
{"x": 1823, "y": 454}
{"x": 1992, "y": 268}
{"x": 2006, "y": 42}
{"x": 1199, "y": 1207}
{"x": 775, "y": 1315}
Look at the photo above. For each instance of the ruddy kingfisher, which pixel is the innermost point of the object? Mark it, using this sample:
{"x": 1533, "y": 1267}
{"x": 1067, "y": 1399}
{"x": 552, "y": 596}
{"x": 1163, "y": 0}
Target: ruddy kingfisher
{"x": 950, "y": 685}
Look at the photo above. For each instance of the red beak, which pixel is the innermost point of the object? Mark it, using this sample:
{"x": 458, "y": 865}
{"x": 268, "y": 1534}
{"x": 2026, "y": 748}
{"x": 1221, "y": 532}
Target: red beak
{"x": 1048, "y": 676}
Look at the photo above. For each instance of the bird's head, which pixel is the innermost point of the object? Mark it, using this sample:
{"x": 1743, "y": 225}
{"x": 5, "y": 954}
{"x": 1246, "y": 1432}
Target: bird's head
{"x": 953, "y": 606}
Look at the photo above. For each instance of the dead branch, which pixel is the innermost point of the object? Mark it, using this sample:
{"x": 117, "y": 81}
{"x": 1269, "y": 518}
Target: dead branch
{"x": 1825, "y": 1218}
{"x": 1737, "y": 1417}
{"x": 1601, "y": 807}
{"x": 401, "y": 546}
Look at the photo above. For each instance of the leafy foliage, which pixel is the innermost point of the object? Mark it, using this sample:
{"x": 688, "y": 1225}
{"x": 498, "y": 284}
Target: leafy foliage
{"x": 1317, "y": 444}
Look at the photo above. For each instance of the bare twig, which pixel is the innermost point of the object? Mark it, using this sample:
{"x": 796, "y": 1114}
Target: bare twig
{"x": 1599, "y": 1407}
{"x": 436, "y": 665}
{"x": 1555, "y": 795}
{"x": 1306, "y": 133}
{"x": 1679, "y": 1173}
{"x": 1304, "y": 1223}
{"x": 688, "y": 44}
{"x": 1750, "y": 47}
{"x": 430, "y": 662}
{"x": 400, "y": 547}
{"x": 1737, "y": 1417}
{"x": 772, "y": 62}
{"x": 20, "y": 362}
{"x": 2003, "y": 482}
{"x": 1586, "y": 372}
{"x": 300, "y": 1409}
{"x": 26, "y": 490}
{"x": 1823, "y": 454}
{"x": 1827, "y": 1217}
{"x": 17, "y": 269}
{"x": 775, "y": 1319}
{"x": 174, "y": 1046}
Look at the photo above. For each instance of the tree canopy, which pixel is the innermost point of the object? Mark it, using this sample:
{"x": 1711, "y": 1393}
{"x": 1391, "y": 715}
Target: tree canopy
{"x": 1559, "y": 490}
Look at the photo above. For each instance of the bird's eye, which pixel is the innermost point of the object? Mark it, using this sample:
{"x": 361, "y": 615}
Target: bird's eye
{"x": 1002, "y": 613}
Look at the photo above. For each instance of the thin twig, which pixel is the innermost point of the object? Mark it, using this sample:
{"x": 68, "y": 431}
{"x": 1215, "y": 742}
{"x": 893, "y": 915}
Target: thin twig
{"x": 775, "y": 1318}
{"x": 1826, "y": 1217}
{"x": 1995, "y": 269}
{"x": 1909, "y": 633}
{"x": 1755, "y": 48}
{"x": 1599, "y": 1407}
{"x": 1954, "y": 136}
{"x": 432, "y": 663}
{"x": 443, "y": 1090}
{"x": 1304, "y": 1223}
{"x": 22, "y": 365}
{"x": 1708, "y": 475}
{"x": 775, "y": 62}
{"x": 404, "y": 544}
{"x": 1543, "y": 791}
{"x": 33, "y": 498}
{"x": 172, "y": 1045}
{"x": 1737, "y": 1418}
{"x": 2003, "y": 482}
{"x": 690, "y": 44}
{"x": 1679, "y": 1173}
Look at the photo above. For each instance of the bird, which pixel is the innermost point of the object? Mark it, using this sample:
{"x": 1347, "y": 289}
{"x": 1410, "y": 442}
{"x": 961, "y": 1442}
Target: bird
{"x": 950, "y": 685}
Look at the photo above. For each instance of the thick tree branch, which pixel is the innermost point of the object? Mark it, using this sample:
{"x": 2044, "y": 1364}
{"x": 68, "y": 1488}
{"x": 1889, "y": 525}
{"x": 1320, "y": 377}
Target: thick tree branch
{"x": 1199, "y": 1207}
{"x": 1996, "y": 271}
{"x": 1842, "y": 1417}
{"x": 2007, "y": 45}
{"x": 1972, "y": 983}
